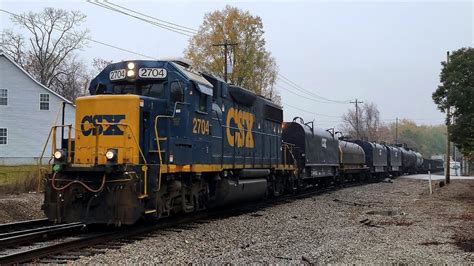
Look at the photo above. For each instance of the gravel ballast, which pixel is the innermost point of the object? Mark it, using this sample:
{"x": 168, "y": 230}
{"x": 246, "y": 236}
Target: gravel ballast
{"x": 383, "y": 222}
{"x": 20, "y": 207}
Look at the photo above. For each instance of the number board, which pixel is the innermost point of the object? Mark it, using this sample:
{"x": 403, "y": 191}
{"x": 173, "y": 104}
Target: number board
{"x": 200, "y": 126}
{"x": 117, "y": 74}
{"x": 152, "y": 73}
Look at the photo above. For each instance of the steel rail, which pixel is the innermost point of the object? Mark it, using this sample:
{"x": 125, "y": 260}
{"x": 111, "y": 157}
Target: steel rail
{"x": 22, "y": 224}
{"x": 30, "y": 236}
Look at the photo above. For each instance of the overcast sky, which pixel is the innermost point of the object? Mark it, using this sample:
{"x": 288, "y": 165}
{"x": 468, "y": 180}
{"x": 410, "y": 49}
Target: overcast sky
{"x": 388, "y": 53}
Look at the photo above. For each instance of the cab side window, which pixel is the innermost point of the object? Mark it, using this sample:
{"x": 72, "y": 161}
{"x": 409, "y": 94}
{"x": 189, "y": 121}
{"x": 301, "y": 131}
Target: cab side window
{"x": 176, "y": 91}
{"x": 202, "y": 102}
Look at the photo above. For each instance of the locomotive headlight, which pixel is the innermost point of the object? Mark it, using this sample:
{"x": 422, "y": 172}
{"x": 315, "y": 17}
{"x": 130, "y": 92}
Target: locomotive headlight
{"x": 131, "y": 73}
{"x": 131, "y": 65}
{"x": 59, "y": 155}
{"x": 111, "y": 155}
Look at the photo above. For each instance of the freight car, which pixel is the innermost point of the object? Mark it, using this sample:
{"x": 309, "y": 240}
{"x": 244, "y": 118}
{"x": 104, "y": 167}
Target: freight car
{"x": 375, "y": 157}
{"x": 432, "y": 165}
{"x": 419, "y": 162}
{"x": 394, "y": 160}
{"x": 409, "y": 161}
{"x": 317, "y": 153}
{"x": 352, "y": 161}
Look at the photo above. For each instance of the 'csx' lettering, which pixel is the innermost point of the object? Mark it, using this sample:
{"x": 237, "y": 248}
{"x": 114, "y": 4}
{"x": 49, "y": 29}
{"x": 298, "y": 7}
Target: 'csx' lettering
{"x": 89, "y": 122}
{"x": 243, "y": 136}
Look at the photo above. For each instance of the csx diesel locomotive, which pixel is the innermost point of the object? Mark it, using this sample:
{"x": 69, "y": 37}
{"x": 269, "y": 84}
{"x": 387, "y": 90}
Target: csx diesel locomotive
{"x": 156, "y": 138}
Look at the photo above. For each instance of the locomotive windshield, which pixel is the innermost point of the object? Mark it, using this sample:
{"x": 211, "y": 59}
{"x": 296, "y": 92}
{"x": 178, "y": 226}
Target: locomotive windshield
{"x": 156, "y": 90}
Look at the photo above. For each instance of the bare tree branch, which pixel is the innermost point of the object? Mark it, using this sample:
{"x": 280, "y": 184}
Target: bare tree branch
{"x": 55, "y": 36}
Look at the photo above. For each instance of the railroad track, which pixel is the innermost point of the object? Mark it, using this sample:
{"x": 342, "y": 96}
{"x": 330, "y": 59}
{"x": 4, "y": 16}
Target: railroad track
{"x": 15, "y": 226}
{"x": 72, "y": 241}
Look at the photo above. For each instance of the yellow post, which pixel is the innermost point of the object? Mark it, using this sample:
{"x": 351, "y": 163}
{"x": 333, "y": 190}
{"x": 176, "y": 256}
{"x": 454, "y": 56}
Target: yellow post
{"x": 96, "y": 144}
{"x": 69, "y": 144}
{"x": 53, "y": 144}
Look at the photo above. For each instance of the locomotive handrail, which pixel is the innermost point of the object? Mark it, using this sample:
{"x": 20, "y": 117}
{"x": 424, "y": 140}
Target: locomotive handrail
{"x": 52, "y": 132}
{"x": 69, "y": 144}
{"x": 157, "y": 137}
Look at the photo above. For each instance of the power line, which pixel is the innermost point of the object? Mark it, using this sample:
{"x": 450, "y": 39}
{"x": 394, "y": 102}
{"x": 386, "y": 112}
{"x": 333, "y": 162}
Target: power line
{"x": 304, "y": 110}
{"x": 87, "y": 38}
{"x": 302, "y": 96}
{"x": 288, "y": 82}
{"x": 296, "y": 86}
{"x": 191, "y": 30}
{"x": 178, "y": 30}
{"x": 144, "y": 55}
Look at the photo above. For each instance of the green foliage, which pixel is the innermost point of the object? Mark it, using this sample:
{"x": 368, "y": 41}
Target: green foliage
{"x": 254, "y": 68}
{"x": 429, "y": 140}
{"x": 457, "y": 93}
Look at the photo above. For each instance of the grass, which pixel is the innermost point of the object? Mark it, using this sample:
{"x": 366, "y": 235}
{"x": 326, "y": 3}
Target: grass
{"x": 18, "y": 179}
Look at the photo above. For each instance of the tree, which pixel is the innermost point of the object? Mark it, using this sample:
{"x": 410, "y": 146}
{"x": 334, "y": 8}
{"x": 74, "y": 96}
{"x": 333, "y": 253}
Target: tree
{"x": 368, "y": 122}
{"x": 99, "y": 64}
{"x": 253, "y": 66}
{"x": 456, "y": 93}
{"x": 47, "y": 53}
{"x": 74, "y": 81}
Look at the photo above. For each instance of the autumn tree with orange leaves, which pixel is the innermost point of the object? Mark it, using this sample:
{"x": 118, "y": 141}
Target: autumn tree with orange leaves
{"x": 254, "y": 68}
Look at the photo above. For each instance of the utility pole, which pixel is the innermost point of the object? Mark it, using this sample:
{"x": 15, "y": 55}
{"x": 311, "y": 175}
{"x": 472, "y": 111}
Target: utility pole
{"x": 225, "y": 44}
{"x": 448, "y": 148}
{"x": 357, "y": 116}
{"x": 396, "y": 130}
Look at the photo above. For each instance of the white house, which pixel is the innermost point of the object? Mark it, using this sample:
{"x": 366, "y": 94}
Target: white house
{"x": 28, "y": 110}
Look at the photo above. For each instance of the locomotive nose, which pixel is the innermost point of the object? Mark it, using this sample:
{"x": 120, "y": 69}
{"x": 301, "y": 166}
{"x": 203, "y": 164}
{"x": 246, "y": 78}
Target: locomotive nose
{"x": 107, "y": 126}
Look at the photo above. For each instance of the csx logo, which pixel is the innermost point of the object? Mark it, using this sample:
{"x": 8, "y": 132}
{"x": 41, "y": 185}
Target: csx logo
{"x": 89, "y": 122}
{"x": 243, "y": 136}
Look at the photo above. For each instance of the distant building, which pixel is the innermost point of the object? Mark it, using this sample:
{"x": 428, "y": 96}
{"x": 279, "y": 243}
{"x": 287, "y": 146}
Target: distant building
{"x": 27, "y": 111}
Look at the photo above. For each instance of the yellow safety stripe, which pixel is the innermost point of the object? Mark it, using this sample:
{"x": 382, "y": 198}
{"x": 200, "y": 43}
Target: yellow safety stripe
{"x": 173, "y": 168}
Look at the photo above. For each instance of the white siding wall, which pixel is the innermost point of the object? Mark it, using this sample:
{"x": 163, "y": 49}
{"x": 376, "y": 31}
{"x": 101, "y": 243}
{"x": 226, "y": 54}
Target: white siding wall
{"x": 28, "y": 126}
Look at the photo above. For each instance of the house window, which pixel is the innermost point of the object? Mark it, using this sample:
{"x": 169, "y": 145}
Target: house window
{"x": 44, "y": 101}
{"x": 3, "y": 136}
{"x": 3, "y": 97}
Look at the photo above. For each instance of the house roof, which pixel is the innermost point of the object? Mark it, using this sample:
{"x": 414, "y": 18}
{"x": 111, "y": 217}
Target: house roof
{"x": 31, "y": 77}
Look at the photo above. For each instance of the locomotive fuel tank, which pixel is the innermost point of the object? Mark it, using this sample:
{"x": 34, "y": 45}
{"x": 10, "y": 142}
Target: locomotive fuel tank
{"x": 352, "y": 157}
{"x": 231, "y": 191}
{"x": 375, "y": 156}
{"x": 318, "y": 150}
